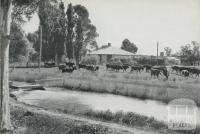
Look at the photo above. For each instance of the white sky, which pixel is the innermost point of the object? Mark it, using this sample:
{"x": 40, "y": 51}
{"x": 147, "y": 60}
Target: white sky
{"x": 170, "y": 22}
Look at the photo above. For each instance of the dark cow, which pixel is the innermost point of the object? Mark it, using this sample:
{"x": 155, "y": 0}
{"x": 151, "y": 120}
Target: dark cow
{"x": 108, "y": 66}
{"x": 137, "y": 68}
{"x": 68, "y": 69}
{"x": 125, "y": 66}
{"x": 82, "y": 66}
{"x": 116, "y": 67}
{"x": 61, "y": 66}
{"x": 92, "y": 67}
{"x": 191, "y": 70}
{"x": 185, "y": 73}
{"x": 196, "y": 71}
{"x": 70, "y": 64}
{"x": 165, "y": 73}
{"x": 147, "y": 67}
{"x": 49, "y": 64}
{"x": 175, "y": 69}
{"x": 155, "y": 72}
{"x": 162, "y": 69}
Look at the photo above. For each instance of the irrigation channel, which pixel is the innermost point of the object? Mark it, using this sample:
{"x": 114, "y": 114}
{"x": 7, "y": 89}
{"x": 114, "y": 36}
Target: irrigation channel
{"x": 77, "y": 102}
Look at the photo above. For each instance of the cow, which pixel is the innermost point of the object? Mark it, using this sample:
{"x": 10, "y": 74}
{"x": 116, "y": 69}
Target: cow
{"x": 163, "y": 70}
{"x": 82, "y": 66}
{"x": 185, "y": 73}
{"x": 155, "y": 72}
{"x": 175, "y": 68}
{"x": 49, "y": 64}
{"x": 147, "y": 67}
{"x": 165, "y": 73}
{"x": 108, "y": 66}
{"x": 70, "y": 64}
{"x": 125, "y": 66}
{"x": 137, "y": 68}
{"x": 92, "y": 67}
{"x": 196, "y": 71}
{"x": 68, "y": 69}
{"x": 116, "y": 67}
{"x": 61, "y": 66}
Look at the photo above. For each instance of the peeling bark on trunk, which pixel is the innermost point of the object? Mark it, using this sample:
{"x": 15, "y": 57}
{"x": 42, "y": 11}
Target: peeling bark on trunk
{"x": 5, "y": 19}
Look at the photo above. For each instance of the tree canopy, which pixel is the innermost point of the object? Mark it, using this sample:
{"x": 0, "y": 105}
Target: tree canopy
{"x": 168, "y": 51}
{"x": 129, "y": 46}
{"x": 190, "y": 53}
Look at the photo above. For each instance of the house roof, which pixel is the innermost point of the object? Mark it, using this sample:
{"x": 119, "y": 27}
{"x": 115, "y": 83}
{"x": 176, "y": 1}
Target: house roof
{"x": 111, "y": 51}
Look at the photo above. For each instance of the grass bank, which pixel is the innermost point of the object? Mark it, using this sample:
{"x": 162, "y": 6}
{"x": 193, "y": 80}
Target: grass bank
{"x": 135, "y": 120}
{"x": 29, "y": 122}
{"x": 130, "y": 119}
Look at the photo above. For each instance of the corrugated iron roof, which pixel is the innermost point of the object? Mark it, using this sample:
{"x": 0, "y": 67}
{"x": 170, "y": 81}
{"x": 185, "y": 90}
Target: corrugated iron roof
{"x": 111, "y": 51}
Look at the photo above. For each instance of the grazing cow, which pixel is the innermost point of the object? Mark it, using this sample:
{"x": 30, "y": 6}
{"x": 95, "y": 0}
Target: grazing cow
{"x": 49, "y": 65}
{"x": 82, "y": 66}
{"x": 165, "y": 73}
{"x": 70, "y": 64}
{"x": 125, "y": 66}
{"x": 185, "y": 73}
{"x": 92, "y": 67}
{"x": 137, "y": 68}
{"x": 162, "y": 69}
{"x": 68, "y": 69}
{"x": 116, "y": 67}
{"x": 175, "y": 68}
{"x": 191, "y": 70}
{"x": 147, "y": 67}
{"x": 108, "y": 66}
{"x": 196, "y": 71}
{"x": 155, "y": 72}
{"x": 61, "y": 66}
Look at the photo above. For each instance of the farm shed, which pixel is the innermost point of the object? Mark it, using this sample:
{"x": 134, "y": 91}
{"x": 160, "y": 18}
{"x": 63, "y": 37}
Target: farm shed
{"x": 111, "y": 52}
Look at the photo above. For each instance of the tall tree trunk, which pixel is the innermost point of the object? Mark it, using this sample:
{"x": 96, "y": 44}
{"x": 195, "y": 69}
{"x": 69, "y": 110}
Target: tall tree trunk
{"x": 5, "y": 19}
{"x": 40, "y": 56}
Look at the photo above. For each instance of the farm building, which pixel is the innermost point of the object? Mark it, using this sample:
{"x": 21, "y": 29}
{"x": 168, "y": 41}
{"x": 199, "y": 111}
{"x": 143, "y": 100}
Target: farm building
{"x": 110, "y": 52}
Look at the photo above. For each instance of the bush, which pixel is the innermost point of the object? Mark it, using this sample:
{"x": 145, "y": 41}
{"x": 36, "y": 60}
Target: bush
{"x": 90, "y": 60}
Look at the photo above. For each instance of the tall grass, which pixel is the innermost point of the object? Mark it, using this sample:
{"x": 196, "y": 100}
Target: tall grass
{"x": 163, "y": 93}
{"x": 130, "y": 119}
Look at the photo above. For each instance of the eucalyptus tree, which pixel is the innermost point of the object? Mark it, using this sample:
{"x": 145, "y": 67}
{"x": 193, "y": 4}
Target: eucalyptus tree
{"x": 20, "y": 7}
{"x": 5, "y": 20}
{"x": 88, "y": 32}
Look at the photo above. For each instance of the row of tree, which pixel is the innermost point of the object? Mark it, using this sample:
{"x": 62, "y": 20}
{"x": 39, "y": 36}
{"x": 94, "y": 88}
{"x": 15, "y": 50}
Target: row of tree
{"x": 70, "y": 34}
{"x": 61, "y": 32}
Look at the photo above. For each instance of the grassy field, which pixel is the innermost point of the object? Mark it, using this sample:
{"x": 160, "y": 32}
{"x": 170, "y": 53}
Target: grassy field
{"x": 139, "y": 85}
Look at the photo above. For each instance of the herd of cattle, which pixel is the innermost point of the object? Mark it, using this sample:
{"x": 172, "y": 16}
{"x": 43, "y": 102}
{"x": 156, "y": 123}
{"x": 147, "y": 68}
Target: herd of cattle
{"x": 155, "y": 71}
{"x": 186, "y": 71}
{"x": 70, "y": 67}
